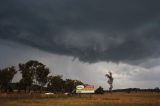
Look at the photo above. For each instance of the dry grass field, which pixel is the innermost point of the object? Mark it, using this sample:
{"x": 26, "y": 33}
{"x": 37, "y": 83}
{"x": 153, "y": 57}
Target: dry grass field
{"x": 114, "y": 99}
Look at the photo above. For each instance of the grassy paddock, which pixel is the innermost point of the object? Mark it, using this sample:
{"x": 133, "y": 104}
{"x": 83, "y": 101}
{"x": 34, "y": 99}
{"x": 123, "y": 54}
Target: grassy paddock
{"x": 114, "y": 99}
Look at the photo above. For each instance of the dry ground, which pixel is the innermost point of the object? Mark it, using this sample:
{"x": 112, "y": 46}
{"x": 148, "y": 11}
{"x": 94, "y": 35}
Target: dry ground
{"x": 114, "y": 99}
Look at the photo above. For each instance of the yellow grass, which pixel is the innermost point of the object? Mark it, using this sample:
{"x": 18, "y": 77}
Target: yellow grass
{"x": 114, "y": 99}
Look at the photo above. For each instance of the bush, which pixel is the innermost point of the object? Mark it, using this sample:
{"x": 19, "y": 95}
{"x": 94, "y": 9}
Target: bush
{"x": 99, "y": 90}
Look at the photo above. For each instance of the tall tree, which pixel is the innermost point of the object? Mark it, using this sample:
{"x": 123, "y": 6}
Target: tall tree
{"x": 110, "y": 80}
{"x": 6, "y": 76}
{"x": 70, "y": 85}
{"x": 56, "y": 83}
{"x": 33, "y": 70}
{"x": 42, "y": 75}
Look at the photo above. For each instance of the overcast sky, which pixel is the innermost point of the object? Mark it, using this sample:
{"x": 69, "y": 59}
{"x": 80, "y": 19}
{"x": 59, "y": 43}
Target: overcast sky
{"x": 84, "y": 39}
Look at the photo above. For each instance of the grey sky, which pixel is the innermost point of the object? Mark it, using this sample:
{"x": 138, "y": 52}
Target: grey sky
{"x": 83, "y": 35}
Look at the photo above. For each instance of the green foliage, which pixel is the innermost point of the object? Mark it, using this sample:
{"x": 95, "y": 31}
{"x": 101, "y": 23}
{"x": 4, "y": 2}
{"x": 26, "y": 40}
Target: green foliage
{"x": 6, "y": 76}
{"x": 99, "y": 90}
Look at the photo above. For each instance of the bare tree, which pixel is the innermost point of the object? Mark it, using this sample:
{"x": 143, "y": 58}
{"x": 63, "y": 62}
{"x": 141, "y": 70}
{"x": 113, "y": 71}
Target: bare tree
{"x": 110, "y": 80}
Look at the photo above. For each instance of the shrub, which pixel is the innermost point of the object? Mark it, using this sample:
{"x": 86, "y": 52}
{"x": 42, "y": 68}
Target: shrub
{"x": 99, "y": 90}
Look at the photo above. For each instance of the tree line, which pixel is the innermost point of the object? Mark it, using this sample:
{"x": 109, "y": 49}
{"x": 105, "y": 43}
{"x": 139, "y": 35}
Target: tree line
{"x": 35, "y": 76}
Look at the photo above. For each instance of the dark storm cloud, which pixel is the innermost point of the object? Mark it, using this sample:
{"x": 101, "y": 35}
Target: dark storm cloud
{"x": 88, "y": 29}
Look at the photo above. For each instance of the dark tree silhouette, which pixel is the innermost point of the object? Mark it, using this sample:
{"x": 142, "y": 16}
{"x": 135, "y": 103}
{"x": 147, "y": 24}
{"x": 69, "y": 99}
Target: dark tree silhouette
{"x": 56, "y": 83}
{"x": 70, "y": 85}
{"x": 99, "y": 90}
{"x": 6, "y": 76}
{"x": 42, "y": 75}
{"x": 110, "y": 80}
{"x": 33, "y": 70}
